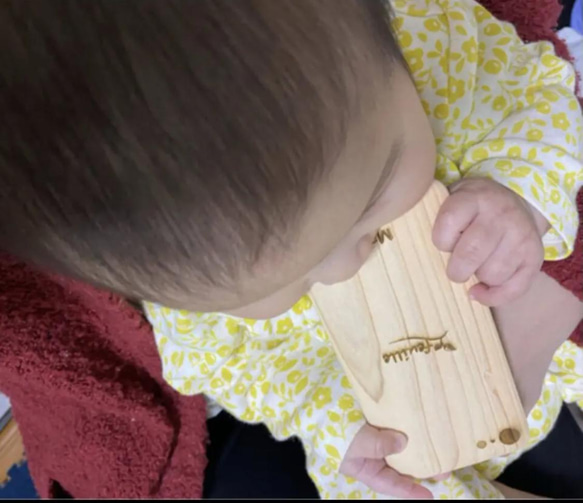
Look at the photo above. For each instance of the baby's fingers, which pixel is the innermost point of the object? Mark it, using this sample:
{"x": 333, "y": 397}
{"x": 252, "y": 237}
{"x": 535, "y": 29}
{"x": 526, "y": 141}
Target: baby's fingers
{"x": 502, "y": 264}
{"x": 382, "y": 479}
{"x": 455, "y": 216}
{"x": 472, "y": 250}
{"x": 374, "y": 443}
{"x": 365, "y": 461}
{"x": 509, "y": 291}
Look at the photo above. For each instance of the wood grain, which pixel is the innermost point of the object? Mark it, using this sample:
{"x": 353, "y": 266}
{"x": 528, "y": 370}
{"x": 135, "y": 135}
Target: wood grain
{"x": 11, "y": 449}
{"x": 423, "y": 359}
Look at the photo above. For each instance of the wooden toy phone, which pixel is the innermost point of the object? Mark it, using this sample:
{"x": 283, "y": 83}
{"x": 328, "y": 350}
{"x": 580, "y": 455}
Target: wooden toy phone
{"x": 423, "y": 358}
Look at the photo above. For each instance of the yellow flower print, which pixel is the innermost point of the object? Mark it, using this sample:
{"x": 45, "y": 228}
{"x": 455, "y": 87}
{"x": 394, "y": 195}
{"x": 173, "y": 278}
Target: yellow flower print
{"x": 570, "y": 180}
{"x": 268, "y": 412}
{"x": 224, "y": 351}
{"x": 325, "y": 470}
{"x": 514, "y": 152}
{"x": 354, "y": 416}
{"x": 294, "y": 376}
{"x": 426, "y": 107}
{"x": 481, "y": 13}
{"x": 232, "y": 326}
{"x": 405, "y": 39}
{"x": 534, "y": 432}
{"x": 283, "y": 364}
{"x": 457, "y": 89}
{"x": 479, "y": 154}
{"x": 551, "y": 253}
{"x": 493, "y": 66}
{"x": 444, "y": 61}
{"x": 302, "y": 305}
{"x": 345, "y": 382}
{"x": 414, "y": 59}
{"x": 346, "y": 402}
{"x": 441, "y": 111}
{"x": 493, "y": 29}
{"x": 216, "y": 383}
{"x": 177, "y": 358}
{"x": 471, "y": 49}
{"x": 432, "y": 24}
{"x": 248, "y": 415}
{"x": 499, "y": 103}
{"x": 284, "y": 326}
{"x": 497, "y": 145}
{"x": 560, "y": 121}
{"x": 503, "y": 165}
{"x": 534, "y": 135}
{"x": 550, "y": 95}
{"x": 553, "y": 177}
{"x": 543, "y": 107}
{"x": 549, "y": 60}
{"x": 184, "y": 326}
{"x": 322, "y": 397}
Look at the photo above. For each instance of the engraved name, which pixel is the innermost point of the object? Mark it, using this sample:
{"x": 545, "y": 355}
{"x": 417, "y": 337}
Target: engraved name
{"x": 423, "y": 345}
{"x": 382, "y": 235}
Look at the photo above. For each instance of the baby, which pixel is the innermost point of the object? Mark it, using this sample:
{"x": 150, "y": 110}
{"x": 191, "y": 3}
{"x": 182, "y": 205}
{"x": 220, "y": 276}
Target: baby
{"x": 218, "y": 158}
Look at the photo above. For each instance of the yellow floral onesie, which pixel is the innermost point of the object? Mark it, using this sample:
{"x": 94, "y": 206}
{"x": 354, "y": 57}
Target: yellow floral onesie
{"x": 499, "y": 109}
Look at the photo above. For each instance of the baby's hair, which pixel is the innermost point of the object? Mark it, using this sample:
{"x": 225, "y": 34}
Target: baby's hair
{"x": 149, "y": 146}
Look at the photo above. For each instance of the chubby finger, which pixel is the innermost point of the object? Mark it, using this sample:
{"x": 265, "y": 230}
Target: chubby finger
{"x": 472, "y": 250}
{"x": 507, "y": 292}
{"x": 501, "y": 265}
{"x": 441, "y": 477}
{"x": 455, "y": 215}
{"x": 382, "y": 479}
{"x": 375, "y": 443}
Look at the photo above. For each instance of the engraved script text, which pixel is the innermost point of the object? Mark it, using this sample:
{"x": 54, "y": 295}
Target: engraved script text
{"x": 417, "y": 345}
{"x": 382, "y": 235}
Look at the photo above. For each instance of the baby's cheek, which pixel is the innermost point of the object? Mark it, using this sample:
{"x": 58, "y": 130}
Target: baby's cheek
{"x": 364, "y": 249}
{"x": 347, "y": 263}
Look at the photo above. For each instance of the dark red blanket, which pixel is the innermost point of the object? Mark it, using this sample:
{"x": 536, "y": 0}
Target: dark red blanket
{"x": 84, "y": 377}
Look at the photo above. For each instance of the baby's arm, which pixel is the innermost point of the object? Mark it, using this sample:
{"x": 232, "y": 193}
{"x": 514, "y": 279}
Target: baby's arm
{"x": 520, "y": 157}
{"x": 525, "y": 130}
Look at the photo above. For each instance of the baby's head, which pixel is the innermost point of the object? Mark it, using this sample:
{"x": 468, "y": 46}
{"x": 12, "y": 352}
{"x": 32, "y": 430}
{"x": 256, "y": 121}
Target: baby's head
{"x": 207, "y": 155}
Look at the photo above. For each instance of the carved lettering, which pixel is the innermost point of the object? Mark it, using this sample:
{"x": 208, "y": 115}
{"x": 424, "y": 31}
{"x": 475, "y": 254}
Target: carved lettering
{"x": 382, "y": 235}
{"x": 417, "y": 344}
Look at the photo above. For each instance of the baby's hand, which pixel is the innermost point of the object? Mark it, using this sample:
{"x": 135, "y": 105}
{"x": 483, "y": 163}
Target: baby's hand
{"x": 365, "y": 461}
{"x": 493, "y": 233}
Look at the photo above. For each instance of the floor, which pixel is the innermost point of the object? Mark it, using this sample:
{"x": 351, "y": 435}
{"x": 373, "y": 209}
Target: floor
{"x": 19, "y": 485}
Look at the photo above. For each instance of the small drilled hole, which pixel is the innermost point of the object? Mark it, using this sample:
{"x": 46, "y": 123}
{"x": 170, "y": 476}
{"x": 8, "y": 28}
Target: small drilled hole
{"x": 509, "y": 436}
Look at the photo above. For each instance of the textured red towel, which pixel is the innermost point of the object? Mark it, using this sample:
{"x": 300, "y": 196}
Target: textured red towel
{"x": 84, "y": 376}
